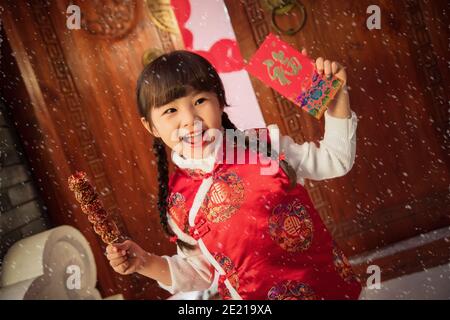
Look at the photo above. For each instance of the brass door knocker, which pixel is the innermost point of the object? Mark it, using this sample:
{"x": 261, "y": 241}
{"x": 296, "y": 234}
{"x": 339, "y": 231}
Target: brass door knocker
{"x": 284, "y": 7}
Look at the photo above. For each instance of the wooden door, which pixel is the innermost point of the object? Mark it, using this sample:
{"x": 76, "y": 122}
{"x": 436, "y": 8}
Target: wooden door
{"x": 399, "y": 84}
{"x": 71, "y": 95}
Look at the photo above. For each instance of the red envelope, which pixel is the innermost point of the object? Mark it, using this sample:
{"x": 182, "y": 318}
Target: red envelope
{"x": 293, "y": 75}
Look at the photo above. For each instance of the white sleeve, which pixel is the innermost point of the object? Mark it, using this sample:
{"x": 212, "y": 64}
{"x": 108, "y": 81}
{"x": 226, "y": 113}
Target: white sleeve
{"x": 333, "y": 158}
{"x": 189, "y": 271}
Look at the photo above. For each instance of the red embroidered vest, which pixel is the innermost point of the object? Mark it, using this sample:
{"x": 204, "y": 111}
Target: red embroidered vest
{"x": 267, "y": 241}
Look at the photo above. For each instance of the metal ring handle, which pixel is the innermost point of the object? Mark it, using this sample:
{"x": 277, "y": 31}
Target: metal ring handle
{"x": 290, "y": 31}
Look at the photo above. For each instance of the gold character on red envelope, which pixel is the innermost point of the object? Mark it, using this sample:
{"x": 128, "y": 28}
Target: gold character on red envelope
{"x": 280, "y": 72}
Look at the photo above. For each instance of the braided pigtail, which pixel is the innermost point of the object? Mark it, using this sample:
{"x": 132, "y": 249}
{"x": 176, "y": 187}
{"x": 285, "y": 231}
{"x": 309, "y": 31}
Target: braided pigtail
{"x": 226, "y": 122}
{"x": 163, "y": 193}
{"x": 287, "y": 168}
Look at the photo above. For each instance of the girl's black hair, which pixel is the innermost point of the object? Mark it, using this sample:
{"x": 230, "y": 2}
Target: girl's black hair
{"x": 171, "y": 75}
{"x": 168, "y": 78}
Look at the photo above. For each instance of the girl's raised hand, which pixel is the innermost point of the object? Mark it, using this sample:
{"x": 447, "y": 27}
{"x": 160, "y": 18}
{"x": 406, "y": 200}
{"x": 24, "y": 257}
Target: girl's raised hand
{"x": 126, "y": 257}
{"x": 340, "y": 106}
{"x": 329, "y": 68}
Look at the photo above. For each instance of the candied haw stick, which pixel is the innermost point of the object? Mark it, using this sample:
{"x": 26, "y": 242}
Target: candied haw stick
{"x": 92, "y": 206}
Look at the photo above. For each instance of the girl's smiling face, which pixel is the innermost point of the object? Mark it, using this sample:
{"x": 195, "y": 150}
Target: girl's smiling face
{"x": 182, "y": 123}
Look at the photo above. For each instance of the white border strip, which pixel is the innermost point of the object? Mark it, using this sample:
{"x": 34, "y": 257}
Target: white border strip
{"x": 219, "y": 268}
{"x": 180, "y": 234}
{"x": 198, "y": 200}
{"x": 199, "y": 197}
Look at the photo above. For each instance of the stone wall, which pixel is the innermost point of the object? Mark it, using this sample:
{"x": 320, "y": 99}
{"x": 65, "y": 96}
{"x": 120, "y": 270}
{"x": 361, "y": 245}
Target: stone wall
{"x": 22, "y": 212}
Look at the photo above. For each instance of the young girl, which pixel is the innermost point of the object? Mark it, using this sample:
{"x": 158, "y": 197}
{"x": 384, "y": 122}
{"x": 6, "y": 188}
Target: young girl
{"x": 260, "y": 235}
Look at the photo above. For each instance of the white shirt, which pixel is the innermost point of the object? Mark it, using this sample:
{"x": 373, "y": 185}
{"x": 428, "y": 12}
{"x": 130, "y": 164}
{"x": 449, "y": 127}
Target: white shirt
{"x": 190, "y": 270}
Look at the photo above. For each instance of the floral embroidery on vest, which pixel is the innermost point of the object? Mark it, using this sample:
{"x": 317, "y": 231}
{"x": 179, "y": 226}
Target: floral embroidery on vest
{"x": 177, "y": 209}
{"x": 231, "y": 274}
{"x": 291, "y": 227}
{"x": 291, "y": 290}
{"x": 342, "y": 265}
{"x": 224, "y": 197}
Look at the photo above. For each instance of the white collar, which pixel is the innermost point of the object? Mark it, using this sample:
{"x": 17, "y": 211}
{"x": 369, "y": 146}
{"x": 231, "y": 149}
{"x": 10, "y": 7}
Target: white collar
{"x": 206, "y": 164}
